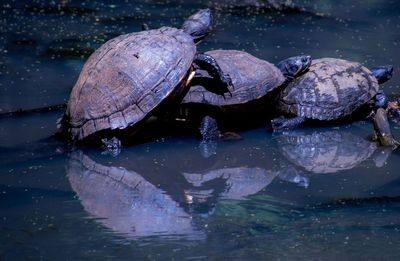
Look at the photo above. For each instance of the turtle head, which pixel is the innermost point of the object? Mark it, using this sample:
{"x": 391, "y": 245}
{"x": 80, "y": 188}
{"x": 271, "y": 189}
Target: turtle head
{"x": 382, "y": 73}
{"x": 198, "y": 25}
{"x": 294, "y": 66}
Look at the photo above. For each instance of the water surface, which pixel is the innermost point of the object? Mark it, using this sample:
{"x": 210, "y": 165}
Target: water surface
{"x": 316, "y": 193}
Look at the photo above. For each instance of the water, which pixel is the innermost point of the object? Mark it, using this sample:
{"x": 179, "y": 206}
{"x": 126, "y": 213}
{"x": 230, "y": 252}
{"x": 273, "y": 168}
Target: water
{"x": 315, "y": 193}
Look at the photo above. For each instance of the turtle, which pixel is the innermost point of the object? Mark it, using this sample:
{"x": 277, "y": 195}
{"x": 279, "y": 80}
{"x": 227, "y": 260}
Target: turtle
{"x": 125, "y": 80}
{"x": 331, "y": 89}
{"x": 252, "y": 78}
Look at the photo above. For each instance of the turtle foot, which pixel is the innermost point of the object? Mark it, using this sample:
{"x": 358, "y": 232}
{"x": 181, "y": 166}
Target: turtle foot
{"x": 226, "y": 82}
{"x": 222, "y": 81}
{"x": 209, "y": 129}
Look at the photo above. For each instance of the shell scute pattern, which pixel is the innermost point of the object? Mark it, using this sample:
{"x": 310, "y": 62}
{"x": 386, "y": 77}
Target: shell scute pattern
{"x": 332, "y": 88}
{"x": 252, "y": 78}
{"x": 127, "y": 77}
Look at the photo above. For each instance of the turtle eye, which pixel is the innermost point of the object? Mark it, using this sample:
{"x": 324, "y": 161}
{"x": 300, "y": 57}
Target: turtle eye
{"x": 304, "y": 60}
{"x": 294, "y": 68}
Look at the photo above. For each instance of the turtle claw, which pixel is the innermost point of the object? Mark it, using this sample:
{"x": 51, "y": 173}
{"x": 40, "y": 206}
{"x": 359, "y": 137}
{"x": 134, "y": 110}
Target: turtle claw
{"x": 226, "y": 84}
{"x": 227, "y": 80}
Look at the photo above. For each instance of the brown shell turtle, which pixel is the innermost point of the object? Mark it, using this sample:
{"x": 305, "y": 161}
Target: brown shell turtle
{"x": 128, "y": 77}
{"x": 252, "y": 78}
{"x": 331, "y": 89}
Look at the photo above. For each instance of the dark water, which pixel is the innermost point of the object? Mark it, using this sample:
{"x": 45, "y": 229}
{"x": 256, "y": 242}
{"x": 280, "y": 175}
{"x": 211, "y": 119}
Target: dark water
{"x": 315, "y": 193}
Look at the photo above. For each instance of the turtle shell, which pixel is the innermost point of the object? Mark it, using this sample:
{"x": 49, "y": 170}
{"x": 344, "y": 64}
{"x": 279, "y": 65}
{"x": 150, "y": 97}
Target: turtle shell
{"x": 325, "y": 151}
{"x": 332, "y": 88}
{"x": 252, "y": 78}
{"x": 127, "y": 77}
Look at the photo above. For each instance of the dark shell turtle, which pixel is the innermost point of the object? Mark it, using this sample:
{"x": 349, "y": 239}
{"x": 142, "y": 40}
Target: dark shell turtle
{"x": 252, "y": 78}
{"x": 325, "y": 151}
{"x": 331, "y": 89}
{"x": 131, "y": 75}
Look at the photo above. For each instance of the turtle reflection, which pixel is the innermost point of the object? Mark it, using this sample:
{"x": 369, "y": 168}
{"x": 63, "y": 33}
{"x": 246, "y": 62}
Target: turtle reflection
{"x": 326, "y": 151}
{"x": 239, "y": 182}
{"x": 123, "y": 201}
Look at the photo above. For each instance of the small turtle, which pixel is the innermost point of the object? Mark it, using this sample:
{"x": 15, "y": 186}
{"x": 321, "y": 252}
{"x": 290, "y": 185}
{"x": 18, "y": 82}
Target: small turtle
{"x": 252, "y": 78}
{"x": 331, "y": 89}
{"x": 128, "y": 77}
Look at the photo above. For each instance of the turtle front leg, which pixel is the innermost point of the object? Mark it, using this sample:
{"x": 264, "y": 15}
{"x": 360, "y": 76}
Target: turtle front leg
{"x": 282, "y": 123}
{"x": 209, "y": 64}
{"x": 381, "y": 100}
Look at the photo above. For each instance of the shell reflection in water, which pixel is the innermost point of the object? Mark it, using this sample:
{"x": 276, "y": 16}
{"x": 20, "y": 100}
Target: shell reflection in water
{"x": 240, "y": 182}
{"x": 125, "y": 202}
{"x": 325, "y": 151}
